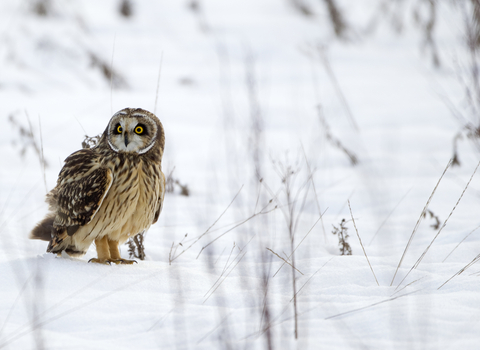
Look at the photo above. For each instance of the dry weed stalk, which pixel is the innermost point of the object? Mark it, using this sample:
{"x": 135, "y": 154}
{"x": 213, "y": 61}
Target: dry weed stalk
{"x": 469, "y": 78}
{"x": 388, "y": 216}
{"x": 336, "y": 18}
{"x": 371, "y": 305}
{"x": 427, "y": 25}
{"x": 136, "y": 249}
{"x": 284, "y": 260}
{"x": 342, "y": 233}
{"x": 302, "y": 8}
{"x": 265, "y": 210}
{"x": 27, "y": 139}
{"x": 477, "y": 258}
{"x": 158, "y": 84}
{"x": 361, "y": 244}
{"x": 292, "y": 215}
{"x": 171, "y": 182}
{"x": 464, "y": 238}
{"x": 333, "y": 140}
{"x": 419, "y": 260}
{"x": 322, "y": 56}
{"x": 125, "y": 8}
{"x": 228, "y": 268}
{"x": 422, "y": 215}
{"x": 310, "y": 176}
{"x": 114, "y": 78}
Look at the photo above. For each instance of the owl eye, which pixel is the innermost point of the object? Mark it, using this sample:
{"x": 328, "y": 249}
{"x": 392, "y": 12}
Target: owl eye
{"x": 118, "y": 129}
{"x": 139, "y": 130}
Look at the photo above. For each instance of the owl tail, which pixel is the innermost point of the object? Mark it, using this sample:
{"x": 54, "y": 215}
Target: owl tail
{"x": 43, "y": 230}
{"x": 62, "y": 241}
{"x": 59, "y": 239}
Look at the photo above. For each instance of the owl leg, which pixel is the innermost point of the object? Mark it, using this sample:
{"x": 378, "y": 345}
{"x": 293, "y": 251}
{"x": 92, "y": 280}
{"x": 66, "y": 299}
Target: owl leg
{"x": 115, "y": 254}
{"x": 103, "y": 252}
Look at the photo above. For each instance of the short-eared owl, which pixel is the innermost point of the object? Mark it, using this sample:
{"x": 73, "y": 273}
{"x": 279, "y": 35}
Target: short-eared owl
{"x": 110, "y": 192}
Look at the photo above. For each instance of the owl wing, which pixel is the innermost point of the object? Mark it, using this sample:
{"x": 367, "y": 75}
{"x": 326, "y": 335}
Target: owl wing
{"x": 160, "y": 198}
{"x": 82, "y": 186}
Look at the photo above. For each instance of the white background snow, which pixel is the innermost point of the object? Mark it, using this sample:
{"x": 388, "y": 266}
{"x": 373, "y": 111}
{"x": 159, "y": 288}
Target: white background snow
{"x": 243, "y": 88}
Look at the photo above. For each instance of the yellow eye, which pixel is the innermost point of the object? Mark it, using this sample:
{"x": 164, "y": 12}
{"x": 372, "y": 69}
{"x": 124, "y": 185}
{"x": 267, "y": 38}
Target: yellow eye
{"x": 119, "y": 129}
{"x": 139, "y": 130}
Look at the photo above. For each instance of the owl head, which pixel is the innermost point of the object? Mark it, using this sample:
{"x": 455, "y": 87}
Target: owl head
{"x": 135, "y": 130}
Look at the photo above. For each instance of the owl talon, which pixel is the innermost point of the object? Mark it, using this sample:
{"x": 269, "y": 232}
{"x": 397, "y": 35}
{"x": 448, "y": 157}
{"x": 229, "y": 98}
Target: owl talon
{"x": 100, "y": 261}
{"x": 124, "y": 261}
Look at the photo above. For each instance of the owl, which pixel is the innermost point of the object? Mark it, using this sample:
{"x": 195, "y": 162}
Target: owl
{"x": 108, "y": 193}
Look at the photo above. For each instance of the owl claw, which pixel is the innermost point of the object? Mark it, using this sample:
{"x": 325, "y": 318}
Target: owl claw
{"x": 124, "y": 261}
{"x": 110, "y": 261}
{"x": 100, "y": 261}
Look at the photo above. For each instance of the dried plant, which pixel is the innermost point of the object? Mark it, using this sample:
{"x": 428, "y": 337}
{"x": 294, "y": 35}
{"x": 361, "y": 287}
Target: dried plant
{"x": 27, "y": 139}
{"x": 427, "y": 26}
{"x": 90, "y": 142}
{"x": 469, "y": 77}
{"x": 302, "y": 7}
{"x": 126, "y": 8}
{"x": 136, "y": 249}
{"x": 335, "y": 141}
{"x": 436, "y": 224}
{"x": 41, "y": 8}
{"x": 337, "y": 19}
{"x": 197, "y": 9}
{"x": 422, "y": 215}
{"x": 342, "y": 233}
{"x": 113, "y": 77}
{"x": 171, "y": 182}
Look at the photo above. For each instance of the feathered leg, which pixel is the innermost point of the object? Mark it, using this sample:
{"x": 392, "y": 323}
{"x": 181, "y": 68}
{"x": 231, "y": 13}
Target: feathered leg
{"x": 107, "y": 252}
{"x": 115, "y": 254}
{"x": 103, "y": 253}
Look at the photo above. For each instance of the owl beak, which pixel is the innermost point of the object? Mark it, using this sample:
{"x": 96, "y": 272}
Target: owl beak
{"x": 126, "y": 140}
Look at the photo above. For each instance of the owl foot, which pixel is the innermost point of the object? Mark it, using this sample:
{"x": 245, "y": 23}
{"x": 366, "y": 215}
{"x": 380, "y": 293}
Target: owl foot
{"x": 110, "y": 261}
{"x": 101, "y": 261}
{"x": 124, "y": 261}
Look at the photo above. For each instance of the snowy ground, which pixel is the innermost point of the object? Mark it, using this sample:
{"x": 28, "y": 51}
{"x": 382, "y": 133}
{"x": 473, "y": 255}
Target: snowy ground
{"x": 241, "y": 84}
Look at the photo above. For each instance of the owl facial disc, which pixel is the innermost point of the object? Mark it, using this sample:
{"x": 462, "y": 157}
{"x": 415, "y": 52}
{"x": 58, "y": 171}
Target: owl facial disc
{"x": 132, "y": 130}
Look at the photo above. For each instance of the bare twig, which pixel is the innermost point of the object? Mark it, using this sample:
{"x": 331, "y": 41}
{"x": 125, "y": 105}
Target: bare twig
{"x": 158, "y": 84}
{"x": 261, "y": 212}
{"x": 422, "y": 215}
{"x": 310, "y": 175}
{"x": 371, "y": 305}
{"x": 398, "y": 291}
{"x": 388, "y": 216}
{"x": 313, "y": 275}
{"x": 298, "y": 245}
{"x": 286, "y": 262}
{"x": 441, "y": 228}
{"x": 328, "y": 68}
{"x": 208, "y": 230}
{"x": 464, "y": 238}
{"x": 360, "y": 240}
{"x": 334, "y": 140}
{"x": 111, "y": 75}
{"x": 223, "y": 271}
{"x": 223, "y": 277}
{"x": 42, "y": 162}
{"x": 477, "y": 258}
{"x": 336, "y": 18}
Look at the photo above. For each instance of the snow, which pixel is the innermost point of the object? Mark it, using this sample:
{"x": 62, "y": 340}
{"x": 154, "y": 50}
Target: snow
{"x": 220, "y": 68}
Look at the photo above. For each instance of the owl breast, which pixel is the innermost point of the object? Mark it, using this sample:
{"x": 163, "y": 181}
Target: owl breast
{"x": 130, "y": 205}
